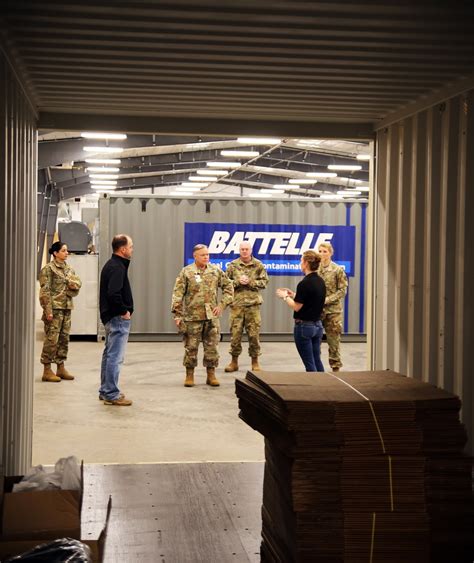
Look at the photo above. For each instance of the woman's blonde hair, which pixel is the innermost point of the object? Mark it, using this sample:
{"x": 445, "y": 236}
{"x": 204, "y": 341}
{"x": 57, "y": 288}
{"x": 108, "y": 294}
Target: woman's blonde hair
{"x": 328, "y": 246}
{"x": 312, "y": 258}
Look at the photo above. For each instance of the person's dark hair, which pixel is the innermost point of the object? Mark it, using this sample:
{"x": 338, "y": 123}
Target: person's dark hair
{"x": 118, "y": 241}
{"x": 56, "y": 247}
{"x": 312, "y": 258}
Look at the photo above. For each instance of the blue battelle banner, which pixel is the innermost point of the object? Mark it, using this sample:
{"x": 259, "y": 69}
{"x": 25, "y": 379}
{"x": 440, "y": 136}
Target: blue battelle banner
{"x": 279, "y": 247}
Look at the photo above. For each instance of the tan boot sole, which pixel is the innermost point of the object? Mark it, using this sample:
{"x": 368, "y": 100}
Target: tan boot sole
{"x": 51, "y": 379}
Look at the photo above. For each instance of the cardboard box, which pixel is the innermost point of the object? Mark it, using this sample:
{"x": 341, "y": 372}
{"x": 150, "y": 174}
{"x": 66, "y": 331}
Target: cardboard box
{"x": 33, "y": 518}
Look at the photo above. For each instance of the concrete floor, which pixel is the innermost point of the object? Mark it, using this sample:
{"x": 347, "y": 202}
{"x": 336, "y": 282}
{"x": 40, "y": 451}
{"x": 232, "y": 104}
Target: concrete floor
{"x": 167, "y": 422}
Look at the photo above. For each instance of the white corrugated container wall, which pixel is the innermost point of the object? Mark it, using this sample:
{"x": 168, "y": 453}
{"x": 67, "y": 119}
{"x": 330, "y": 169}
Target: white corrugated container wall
{"x": 422, "y": 301}
{"x": 156, "y": 225}
{"x": 17, "y": 270}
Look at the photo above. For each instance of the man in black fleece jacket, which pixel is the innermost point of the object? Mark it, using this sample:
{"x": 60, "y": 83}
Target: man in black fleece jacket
{"x": 116, "y": 308}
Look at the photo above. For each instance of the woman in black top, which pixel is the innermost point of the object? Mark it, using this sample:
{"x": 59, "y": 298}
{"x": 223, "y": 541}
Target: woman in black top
{"x": 307, "y": 304}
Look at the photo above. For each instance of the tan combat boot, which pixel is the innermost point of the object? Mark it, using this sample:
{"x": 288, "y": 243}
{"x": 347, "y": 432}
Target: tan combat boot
{"x": 49, "y": 375}
{"x": 189, "y": 381}
{"x": 63, "y": 373}
{"x": 233, "y": 366}
{"x": 211, "y": 378}
{"x": 255, "y": 364}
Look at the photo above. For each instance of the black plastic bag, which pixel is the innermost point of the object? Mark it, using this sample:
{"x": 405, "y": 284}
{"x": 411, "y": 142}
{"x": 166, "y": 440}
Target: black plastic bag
{"x": 65, "y": 550}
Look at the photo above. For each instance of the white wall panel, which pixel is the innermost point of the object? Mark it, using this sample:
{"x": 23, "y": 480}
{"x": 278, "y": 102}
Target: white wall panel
{"x": 423, "y": 248}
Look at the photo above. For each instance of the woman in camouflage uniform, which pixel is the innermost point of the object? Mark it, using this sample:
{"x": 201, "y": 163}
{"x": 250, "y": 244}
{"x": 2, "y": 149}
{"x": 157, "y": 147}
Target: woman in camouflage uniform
{"x": 336, "y": 283}
{"x": 58, "y": 285}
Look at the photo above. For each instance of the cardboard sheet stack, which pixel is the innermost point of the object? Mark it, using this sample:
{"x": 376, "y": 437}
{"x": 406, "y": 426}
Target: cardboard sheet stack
{"x": 360, "y": 466}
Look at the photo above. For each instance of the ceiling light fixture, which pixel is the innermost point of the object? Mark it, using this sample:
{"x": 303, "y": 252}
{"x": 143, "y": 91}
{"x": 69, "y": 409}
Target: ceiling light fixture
{"x": 348, "y": 193}
{"x": 104, "y": 176}
{"x": 284, "y": 187}
{"x": 203, "y": 178}
{"x": 330, "y": 196}
{"x": 258, "y": 140}
{"x": 321, "y": 174}
{"x": 302, "y": 181}
{"x": 102, "y": 169}
{"x": 344, "y": 167}
{"x": 103, "y": 160}
{"x": 237, "y": 153}
{"x": 103, "y": 149}
{"x": 363, "y": 157}
{"x": 111, "y": 136}
{"x": 223, "y": 164}
{"x": 105, "y": 182}
{"x": 204, "y": 172}
{"x": 100, "y": 187}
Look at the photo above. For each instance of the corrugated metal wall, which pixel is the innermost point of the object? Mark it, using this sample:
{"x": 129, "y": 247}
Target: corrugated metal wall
{"x": 158, "y": 234}
{"x": 423, "y": 248}
{"x": 17, "y": 271}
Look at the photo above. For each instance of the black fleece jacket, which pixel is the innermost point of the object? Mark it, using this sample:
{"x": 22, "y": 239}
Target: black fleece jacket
{"x": 115, "y": 296}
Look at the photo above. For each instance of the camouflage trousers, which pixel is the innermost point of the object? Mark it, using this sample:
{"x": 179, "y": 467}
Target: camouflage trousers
{"x": 56, "y": 337}
{"x": 250, "y": 319}
{"x": 207, "y": 332}
{"x": 332, "y": 324}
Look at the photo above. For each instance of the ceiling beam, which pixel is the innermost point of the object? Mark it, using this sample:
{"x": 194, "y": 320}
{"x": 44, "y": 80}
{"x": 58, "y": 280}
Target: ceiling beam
{"x": 142, "y": 124}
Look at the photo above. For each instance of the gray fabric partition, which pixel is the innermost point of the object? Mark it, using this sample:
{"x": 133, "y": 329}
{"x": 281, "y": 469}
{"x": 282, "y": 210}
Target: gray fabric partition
{"x": 157, "y": 226}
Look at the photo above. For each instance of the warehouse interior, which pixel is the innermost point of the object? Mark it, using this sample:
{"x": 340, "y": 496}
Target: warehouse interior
{"x": 328, "y": 83}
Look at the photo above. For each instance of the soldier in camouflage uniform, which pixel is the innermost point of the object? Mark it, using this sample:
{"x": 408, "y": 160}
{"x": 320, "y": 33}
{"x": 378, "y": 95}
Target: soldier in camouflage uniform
{"x": 58, "y": 285}
{"x": 249, "y": 277}
{"x": 336, "y": 288}
{"x": 196, "y": 312}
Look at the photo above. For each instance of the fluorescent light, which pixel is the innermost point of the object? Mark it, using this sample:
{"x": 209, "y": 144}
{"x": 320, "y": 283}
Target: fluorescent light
{"x": 237, "y": 153}
{"x": 363, "y": 157}
{"x": 223, "y": 164}
{"x": 204, "y": 172}
{"x": 114, "y": 136}
{"x": 102, "y": 169}
{"x": 103, "y": 149}
{"x": 103, "y": 160}
{"x": 104, "y": 176}
{"x": 258, "y": 140}
{"x": 272, "y": 191}
{"x": 344, "y": 167}
{"x": 302, "y": 181}
{"x": 186, "y": 189}
{"x": 363, "y": 188}
{"x": 330, "y": 196}
{"x": 283, "y": 187}
{"x": 104, "y": 188}
{"x": 194, "y": 184}
{"x": 321, "y": 174}
{"x": 348, "y": 193}
{"x": 203, "y": 178}
{"x": 181, "y": 193}
{"x": 105, "y": 182}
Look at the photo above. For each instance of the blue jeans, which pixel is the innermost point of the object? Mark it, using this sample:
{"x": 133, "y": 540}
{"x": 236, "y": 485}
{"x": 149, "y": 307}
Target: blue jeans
{"x": 116, "y": 337}
{"x": 308, "y": 336}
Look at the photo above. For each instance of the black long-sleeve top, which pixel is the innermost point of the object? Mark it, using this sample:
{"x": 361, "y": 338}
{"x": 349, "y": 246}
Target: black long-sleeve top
{"x": 115, "y": 295}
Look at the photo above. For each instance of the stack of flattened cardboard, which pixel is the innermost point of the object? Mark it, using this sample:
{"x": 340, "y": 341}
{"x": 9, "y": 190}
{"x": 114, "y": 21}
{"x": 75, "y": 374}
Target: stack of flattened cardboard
{"x": 360, "y": 466}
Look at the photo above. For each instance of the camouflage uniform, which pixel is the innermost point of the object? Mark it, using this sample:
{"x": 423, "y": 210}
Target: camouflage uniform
{"x": 194, "y": 298}
{"x": 245, "y": 309}
{"x": 58, "y": 285}
{"x": 336, "y": 287}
